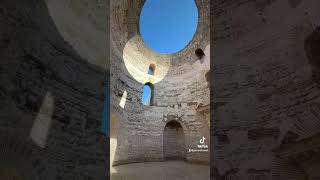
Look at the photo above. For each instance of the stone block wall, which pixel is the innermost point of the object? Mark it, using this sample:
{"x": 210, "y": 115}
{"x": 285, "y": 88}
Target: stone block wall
{"x": 262, "y": 85}
{"x": 51, "y": 93}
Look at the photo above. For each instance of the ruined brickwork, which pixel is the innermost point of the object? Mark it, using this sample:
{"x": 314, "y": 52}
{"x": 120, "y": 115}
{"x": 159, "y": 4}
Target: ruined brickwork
{"x": 52, "y": 90}
{"x": 266, "y": 100}
{"x": 181, "y": 90}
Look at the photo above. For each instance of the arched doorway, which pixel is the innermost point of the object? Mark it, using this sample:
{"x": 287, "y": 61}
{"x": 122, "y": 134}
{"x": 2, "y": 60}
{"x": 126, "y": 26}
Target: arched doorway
{"x": 174, "y": 147}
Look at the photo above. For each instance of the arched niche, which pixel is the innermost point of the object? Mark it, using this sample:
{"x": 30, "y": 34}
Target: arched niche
{"x": 174, "y": 145}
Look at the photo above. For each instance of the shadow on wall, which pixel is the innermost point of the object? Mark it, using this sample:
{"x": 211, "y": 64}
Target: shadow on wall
{"x": 312, "y": 46}
{"x": 51, "y": 99}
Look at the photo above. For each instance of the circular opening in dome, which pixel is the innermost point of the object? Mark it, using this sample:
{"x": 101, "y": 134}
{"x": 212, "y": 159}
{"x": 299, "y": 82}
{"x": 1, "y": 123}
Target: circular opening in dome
{"x": 168, "y": 26}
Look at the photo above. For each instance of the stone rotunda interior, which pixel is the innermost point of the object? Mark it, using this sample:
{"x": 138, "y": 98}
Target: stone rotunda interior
{"x": 266, "y": 105}
{"x": 151, "y": 136}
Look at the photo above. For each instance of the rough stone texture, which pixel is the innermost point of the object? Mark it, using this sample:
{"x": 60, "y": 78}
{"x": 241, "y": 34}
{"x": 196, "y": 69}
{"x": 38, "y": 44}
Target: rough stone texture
{"x": 265, "y": 95}
{"x": 52, "y": 89}
{"x": 181, "y": 89}
{"x": 169, "y": 170}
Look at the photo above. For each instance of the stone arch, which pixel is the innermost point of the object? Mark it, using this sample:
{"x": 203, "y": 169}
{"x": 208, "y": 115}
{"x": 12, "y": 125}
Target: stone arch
{"x": 174, "y": 141}
{"x": 151, "y": 86}
{"x": 199, "y": 53}
{"x": 151, "y": 70}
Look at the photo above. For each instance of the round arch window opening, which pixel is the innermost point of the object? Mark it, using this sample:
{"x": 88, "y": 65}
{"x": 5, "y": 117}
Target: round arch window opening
{"x": 167, "y": 26}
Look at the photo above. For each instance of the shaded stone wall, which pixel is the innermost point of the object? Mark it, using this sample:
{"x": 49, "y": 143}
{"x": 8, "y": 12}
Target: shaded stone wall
{"x": 262, "y": 85}
{"x": 51, "y": 94}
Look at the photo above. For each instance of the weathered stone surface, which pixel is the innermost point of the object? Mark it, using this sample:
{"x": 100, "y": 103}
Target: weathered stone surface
{"x": 52, "y": 74}
{"x": 262, "y": 133}
{"x": 263, "y": 86}
{"x": 169, "y": 170}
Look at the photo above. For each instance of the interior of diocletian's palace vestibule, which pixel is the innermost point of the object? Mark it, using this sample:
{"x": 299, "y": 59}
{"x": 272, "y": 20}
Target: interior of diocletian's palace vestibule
{"x": 167, "y": 129}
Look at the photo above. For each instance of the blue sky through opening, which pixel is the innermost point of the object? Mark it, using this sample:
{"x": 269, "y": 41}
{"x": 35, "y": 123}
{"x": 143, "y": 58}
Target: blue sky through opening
{"x": 150, "y": 71}
{"x": 146, "y": 95}
{"x": 167, "y": 26}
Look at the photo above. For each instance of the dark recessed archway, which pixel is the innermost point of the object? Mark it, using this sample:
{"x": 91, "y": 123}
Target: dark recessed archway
{"x": 174, "y": 141}
{"x": 199, "y": 53}
{"x": 151, "y": 69}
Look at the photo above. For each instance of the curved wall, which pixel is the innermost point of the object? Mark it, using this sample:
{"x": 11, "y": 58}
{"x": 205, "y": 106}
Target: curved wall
{"x": 264, "y": 93}
{"x": 180, "y": 87}
{"x": 51, "y": 94}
